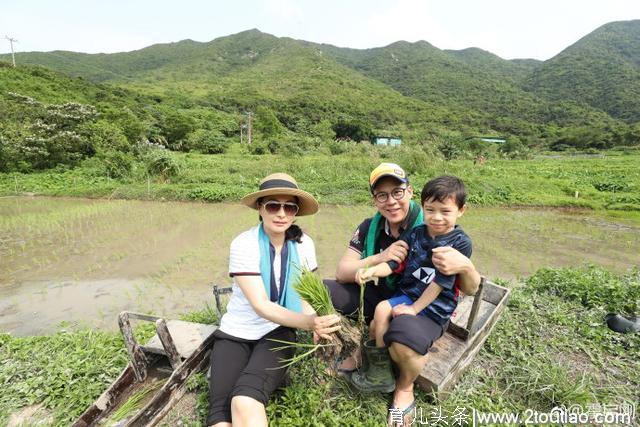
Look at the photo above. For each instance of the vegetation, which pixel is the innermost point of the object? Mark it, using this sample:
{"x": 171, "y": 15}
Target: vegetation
{"x": 191, "y": 96}
{"x": 546, "y": 351}
{"x": 610, "y": 181}
{"x": 165, "y": 123}
{"x": 344, "y": 341}
{"x": 601, "y": 70}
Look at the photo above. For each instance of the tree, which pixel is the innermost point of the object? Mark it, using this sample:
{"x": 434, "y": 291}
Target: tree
{"x": 266, "y": 123}
{"x": 353, "y": 129}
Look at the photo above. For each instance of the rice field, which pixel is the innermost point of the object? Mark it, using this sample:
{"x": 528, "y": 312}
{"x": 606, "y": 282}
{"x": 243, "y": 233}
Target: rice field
{"x": 78, "y": 262}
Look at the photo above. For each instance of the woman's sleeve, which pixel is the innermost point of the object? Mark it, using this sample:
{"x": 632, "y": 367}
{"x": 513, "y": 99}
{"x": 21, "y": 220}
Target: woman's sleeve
{"x": 308, "y": 253}
{"x": 244, "y": 256}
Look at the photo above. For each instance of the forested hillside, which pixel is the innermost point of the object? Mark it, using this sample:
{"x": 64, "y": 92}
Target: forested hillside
{"x": 302, "y": 96}
{"x": 602, "y": 70}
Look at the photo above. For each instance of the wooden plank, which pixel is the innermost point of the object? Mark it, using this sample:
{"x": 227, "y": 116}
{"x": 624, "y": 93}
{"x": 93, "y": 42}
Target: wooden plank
{"x": 450, "y": 355}
{"x": 187, "y": 337}
{"x": 494, "y": 293}
{"x": 444, "y": 354}
{"x": 167, "y": 343}
{"x": 465, "y": 359}
{"x": 477, "y": 301}
{"x": 174, "y": 388}
{"x": 137, "y": 357}
{"x": 461, "y": 315}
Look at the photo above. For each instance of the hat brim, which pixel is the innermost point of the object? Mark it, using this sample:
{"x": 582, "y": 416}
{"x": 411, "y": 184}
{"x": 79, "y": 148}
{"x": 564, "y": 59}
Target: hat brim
{"x": 388, "y": 175}
{"x": 307, "y": 203}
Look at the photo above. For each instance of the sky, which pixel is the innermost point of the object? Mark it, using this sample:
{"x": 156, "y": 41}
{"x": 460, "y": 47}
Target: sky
{"x": 511, "y": 29}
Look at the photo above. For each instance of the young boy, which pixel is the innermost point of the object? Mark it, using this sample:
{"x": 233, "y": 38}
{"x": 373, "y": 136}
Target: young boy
{"x": 423, "y": 290}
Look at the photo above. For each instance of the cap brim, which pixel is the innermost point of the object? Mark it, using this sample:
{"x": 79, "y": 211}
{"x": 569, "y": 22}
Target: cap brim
{"x": 307, "y": 203}
{"x": 402, "y": 180}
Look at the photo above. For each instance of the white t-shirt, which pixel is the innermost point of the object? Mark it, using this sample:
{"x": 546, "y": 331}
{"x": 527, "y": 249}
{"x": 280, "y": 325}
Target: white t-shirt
{"x": 241, "y": 320}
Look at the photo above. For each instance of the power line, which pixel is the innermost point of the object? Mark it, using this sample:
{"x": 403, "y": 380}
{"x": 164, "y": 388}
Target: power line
{"x": 11, "y": 41}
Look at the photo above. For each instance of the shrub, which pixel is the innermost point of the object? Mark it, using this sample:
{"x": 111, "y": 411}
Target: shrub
{"x": 162, "y": 164}
{"x": 591, "y": 286}
{"x": 207, "y": 142}
{"x": 257, "y": 147}
{"x": 117, "y": 164}
{"x": 337, "y": 147}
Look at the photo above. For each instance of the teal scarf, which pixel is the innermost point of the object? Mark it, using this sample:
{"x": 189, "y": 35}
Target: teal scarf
{"x": 289, "y": 297}
{"x": 371, "y": 242}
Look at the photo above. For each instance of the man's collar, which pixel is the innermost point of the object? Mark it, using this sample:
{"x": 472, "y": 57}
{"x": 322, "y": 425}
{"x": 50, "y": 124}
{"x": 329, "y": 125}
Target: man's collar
{"x": 403, "y": 226}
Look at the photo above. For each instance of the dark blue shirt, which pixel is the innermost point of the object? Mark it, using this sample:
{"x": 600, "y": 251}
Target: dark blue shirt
{"x": 419, "y": 272}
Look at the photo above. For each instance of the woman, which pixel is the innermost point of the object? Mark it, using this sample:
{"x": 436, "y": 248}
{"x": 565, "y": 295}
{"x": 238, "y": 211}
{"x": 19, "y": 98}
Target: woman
{"x": 264, "y": 263}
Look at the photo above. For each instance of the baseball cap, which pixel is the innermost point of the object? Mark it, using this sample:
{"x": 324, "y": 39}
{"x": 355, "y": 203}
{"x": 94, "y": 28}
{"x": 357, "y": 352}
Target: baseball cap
{"x": 387, "y": 169}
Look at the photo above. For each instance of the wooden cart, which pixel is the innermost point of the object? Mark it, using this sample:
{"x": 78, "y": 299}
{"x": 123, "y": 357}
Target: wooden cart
{"x": 158, "y": 371}
{"x": 451, "y": 354}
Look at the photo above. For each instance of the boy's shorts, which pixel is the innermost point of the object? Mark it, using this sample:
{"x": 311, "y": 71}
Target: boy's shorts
{"x": 416, "y": 332}
{"x": 403, "y": 299}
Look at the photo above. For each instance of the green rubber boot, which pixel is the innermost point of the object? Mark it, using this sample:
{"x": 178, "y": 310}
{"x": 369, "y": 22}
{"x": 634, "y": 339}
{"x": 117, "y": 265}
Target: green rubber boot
{"x": 376, "y": 373}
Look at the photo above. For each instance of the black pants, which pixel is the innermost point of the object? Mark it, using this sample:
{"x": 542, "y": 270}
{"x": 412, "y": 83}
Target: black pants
{"x": 346, "y": 298}
{"x": 242, "y": 367}
{"x": 416, "y": 332}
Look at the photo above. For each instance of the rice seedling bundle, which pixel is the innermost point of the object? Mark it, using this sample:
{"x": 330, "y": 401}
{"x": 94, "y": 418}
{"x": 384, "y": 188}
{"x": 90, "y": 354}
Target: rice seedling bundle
{"x": 347, "y": 338}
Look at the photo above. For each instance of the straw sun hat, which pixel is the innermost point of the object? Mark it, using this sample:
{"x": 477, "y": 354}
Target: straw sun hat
{"x": 281, "y": 184}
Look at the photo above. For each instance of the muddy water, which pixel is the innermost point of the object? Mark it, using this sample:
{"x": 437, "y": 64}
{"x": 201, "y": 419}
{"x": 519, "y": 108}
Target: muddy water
{"x": 82, "y": 261}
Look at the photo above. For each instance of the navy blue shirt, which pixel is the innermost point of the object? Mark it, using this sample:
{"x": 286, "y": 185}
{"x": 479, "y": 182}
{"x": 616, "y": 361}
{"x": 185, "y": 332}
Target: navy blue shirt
{"x": 418, "y": 271}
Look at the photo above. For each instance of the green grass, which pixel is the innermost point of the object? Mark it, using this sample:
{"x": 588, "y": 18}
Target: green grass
{"x": 608, "y": 182}
{"x": 549, "y": 348}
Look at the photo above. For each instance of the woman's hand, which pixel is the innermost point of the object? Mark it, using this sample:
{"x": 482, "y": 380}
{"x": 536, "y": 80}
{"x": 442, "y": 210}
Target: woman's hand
{"x": 323, "y": 326}
{"x": 403, "y": 309}
{"x": 449, "y": 261}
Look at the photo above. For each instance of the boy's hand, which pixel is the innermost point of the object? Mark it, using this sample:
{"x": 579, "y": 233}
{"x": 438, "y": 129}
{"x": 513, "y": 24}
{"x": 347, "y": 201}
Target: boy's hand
{"x": 364, "y": 275}
{"x": 403, "y": 309}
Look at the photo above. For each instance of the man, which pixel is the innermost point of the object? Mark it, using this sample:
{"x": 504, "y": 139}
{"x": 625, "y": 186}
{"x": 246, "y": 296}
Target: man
{"x": 376, "y": 240}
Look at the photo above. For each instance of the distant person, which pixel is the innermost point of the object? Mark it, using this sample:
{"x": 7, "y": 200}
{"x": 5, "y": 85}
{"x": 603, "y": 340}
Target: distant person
{"x": 377, "y": 240}
{"x": 424, "y": 293}
{"x": 245, "y": 367}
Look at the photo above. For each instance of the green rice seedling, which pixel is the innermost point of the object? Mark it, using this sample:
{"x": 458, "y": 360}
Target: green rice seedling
{"x": 133, "y": 404}
{"x": 347, "y": 338}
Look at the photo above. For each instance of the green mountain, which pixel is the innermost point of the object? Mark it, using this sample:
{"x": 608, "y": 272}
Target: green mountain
{"x": 470, "y": 82}
{"x": 602, "y": 70}
{"x": 414, "y": 90}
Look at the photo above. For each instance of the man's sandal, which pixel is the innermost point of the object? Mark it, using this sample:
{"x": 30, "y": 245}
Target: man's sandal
{"x": 401, "y": 417}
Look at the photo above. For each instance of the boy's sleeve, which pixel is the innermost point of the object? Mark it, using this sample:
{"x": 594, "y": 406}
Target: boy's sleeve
{"x": 462, "y": 245}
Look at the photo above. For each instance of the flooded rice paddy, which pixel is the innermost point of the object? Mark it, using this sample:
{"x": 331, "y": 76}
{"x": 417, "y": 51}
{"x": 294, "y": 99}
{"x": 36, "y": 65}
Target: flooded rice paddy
{"x": 77, "y": 262}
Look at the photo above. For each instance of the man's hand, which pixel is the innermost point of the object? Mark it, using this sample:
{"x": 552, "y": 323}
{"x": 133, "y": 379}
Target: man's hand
{"x": 449, "y": 261}
{"x": 403, "y": 309}
{"x": 396, "y": 252}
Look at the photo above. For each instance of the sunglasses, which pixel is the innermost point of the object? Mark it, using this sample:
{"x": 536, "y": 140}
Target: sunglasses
{"x": 273, "y": 207}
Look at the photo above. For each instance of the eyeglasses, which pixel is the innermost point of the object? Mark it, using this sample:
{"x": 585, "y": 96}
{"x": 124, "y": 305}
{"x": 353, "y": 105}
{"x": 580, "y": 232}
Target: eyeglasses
{"x": 396, "y": 193}
{"x": 272, "y": 207}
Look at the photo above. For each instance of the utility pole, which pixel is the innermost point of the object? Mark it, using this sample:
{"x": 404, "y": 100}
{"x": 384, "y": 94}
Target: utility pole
{"x": 13, "y": 56}
{"x": 249, "y": 126}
